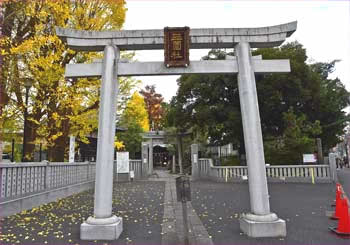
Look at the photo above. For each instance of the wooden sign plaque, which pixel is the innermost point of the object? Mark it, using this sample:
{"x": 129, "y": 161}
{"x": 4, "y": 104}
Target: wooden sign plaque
{"x": 176, "y": 46}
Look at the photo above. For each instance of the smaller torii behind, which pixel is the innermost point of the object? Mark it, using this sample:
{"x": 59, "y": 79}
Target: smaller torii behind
{"x": 261, "y": 222}
{"x": 153, "y": 137}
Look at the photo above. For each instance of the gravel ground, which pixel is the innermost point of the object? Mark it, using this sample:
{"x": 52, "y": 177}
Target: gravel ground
{"x": 139, "y": 203}
{"x": 302, "y": 206}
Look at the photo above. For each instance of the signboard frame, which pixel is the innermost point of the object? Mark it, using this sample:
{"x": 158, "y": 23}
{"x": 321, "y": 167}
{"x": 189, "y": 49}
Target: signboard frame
{"x": 122, "y": 162}
{"x": 309, "y": 158}
{"x": 177, "y": 46}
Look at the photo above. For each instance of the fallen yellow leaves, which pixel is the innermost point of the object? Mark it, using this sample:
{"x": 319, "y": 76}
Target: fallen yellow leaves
{"x": 29, "y": 219}
{"x": 53, "y": 222}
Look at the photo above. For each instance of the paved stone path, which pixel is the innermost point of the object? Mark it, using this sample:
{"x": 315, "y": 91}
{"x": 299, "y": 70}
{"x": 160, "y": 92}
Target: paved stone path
{"x": 173, "y": 224}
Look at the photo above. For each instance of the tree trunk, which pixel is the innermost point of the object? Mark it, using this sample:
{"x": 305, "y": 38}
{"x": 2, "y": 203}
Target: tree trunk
{"x": 57, "y": 152}
{"x": 30, "y": 141}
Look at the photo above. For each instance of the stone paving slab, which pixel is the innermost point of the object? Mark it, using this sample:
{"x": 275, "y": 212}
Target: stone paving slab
{"x": 302, "y": 206}
{"x": 173, "y": 232}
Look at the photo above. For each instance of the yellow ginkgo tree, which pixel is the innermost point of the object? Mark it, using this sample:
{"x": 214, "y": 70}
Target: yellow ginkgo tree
{"x": 135, "y": 120}
{"x": 34, "y": 59}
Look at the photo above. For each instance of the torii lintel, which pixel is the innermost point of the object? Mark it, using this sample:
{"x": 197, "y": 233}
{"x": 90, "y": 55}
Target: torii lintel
{"x": 205, "y": 38}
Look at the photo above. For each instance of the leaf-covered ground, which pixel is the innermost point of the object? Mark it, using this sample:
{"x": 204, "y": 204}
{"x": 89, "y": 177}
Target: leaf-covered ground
{"x": 302, "y": 206}
{"x": 139, "y": 203}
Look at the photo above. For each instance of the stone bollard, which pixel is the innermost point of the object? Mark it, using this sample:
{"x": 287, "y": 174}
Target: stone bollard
{"x": 333, "y": 167}
{"x": 194, "y": 161}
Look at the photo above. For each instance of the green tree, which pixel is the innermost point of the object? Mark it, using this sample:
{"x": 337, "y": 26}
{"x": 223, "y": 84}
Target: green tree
{"x": 307, "y": 89}
{"x": 298, "y": 138}
{"x": 333, "y": 98}
{"x": 210, "y": 103}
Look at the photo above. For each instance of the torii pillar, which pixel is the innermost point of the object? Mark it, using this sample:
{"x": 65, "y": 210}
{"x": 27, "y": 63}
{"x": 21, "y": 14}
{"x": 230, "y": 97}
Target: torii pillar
{"x": 103, "y": 225}
{"x": 260, "y": 222}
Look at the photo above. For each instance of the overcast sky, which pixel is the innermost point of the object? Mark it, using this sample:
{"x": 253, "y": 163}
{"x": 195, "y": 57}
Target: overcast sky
{"x": 323, "y": 27}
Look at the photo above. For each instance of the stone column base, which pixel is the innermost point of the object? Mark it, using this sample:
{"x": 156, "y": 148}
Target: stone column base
{"x": 261, "y": 227}
{"x": 101, "y": 229}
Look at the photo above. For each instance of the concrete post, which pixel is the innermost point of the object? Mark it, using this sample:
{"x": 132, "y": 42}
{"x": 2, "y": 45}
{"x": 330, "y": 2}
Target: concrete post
{"x": 179, "y": 146}
{"x": 47, "y": 175}
{"x": 144, "y": 160}
{"x": 333, "y": 167}
{"x": 260, "y": 223}
{"x": 194, "y": 161}
{"x": 71, "y": 148}
{"x": 88, "y": 166}
{"x": 174, "y": 164}
{"x": 104, "y": 225}
{"x": 150, "y": 157}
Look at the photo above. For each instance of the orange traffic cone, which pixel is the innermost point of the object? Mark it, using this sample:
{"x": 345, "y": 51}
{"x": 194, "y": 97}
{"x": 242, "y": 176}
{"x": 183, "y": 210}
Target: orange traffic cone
{"x": 336, "y": 193}
{"x": 338, "y": 199}
{"x": 343, "y": 228}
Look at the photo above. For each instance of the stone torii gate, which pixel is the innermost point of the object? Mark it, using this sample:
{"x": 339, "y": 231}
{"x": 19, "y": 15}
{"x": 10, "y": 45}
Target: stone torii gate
{"x": 153, "y": 137}
{"x": 159, "y": 137}
{"x": 260, "y": 222}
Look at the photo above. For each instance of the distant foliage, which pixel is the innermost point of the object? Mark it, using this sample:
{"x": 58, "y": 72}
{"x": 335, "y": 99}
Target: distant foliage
{"x": 135, "y": 120}
{"x": 154, "y": 105}
{"x": 135, "y": 111}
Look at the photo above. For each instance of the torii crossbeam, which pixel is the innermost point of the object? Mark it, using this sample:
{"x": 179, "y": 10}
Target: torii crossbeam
{"x": 260, "y": 222}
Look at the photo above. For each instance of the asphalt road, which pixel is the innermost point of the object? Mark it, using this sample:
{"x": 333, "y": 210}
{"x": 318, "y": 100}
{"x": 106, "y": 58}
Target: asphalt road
{"x": 218, "y": 205}
{"x": 302, "y": 206}
{"x": 344, "y": 179}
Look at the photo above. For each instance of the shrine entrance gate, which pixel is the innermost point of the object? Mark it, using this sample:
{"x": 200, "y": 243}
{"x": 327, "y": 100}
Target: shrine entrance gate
{"x": 260, "y": 222}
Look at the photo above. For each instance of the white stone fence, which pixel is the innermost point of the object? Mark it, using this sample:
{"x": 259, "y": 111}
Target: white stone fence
{"x": 139, "y": 169}
{"x": 274, "y": 173}
{"x": 24, "y": 178}
{"x": 26, "y": 185}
